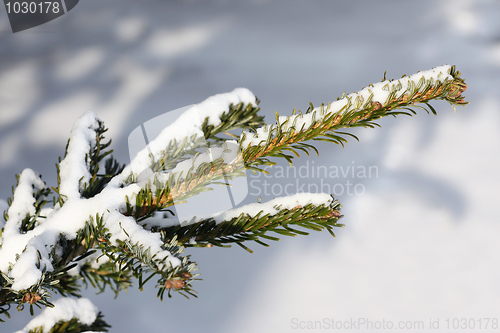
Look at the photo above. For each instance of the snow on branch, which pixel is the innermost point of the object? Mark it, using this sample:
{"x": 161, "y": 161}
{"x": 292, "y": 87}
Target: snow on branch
{"x": 254, "y": 222}
{"x": 4, "y": 206}
{"x": 272, "y": 207}
{"x": 188, "y": 125}
{"x": 74, "y": 169}
{"x": 23, "y": 203}
{"x": 65, "y": 309}
{"x": 375, "y": 95}
{"x": 361, "y": 109}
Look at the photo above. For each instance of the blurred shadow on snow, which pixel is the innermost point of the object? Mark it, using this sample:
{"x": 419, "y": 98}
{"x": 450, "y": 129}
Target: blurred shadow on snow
{"x": 113, "y": 67}
{"x": 433, "y": 191}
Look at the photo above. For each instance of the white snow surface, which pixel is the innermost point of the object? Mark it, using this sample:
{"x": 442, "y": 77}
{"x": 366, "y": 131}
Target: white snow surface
{"x": 379, "y": 92}
{"x": 64, "y": 309}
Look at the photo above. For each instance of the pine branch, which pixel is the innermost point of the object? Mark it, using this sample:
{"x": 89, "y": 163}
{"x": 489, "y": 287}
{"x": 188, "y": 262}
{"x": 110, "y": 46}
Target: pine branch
{"x": 217, "y": 115}
{"x": 255, "y": 227}
{"x": 356, "y": 110}
{"x": 106, "y": 215}
{"x": 106, "y": 275}
{"x": 173, "y": 188}
{"x": 239, "y": 116}
{"x": 91, "y": 182}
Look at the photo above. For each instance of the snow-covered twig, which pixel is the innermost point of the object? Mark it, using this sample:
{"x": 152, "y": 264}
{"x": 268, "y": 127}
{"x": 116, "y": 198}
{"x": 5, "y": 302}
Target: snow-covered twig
{"x": 377, "y": 94}
{"x": 81, "y": 311}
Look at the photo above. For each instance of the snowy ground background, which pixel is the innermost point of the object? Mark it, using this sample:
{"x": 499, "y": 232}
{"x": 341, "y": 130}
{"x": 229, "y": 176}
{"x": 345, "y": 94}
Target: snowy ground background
{"x": 420, "y": 244}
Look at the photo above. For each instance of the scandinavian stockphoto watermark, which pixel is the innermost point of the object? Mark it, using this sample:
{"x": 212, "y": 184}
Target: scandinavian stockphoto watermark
{"x": 312, "y": 178}
{"x": 24, "y": 15}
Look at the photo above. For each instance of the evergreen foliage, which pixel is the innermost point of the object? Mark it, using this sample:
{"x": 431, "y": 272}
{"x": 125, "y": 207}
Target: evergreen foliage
{"x": 96, "y": 257}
